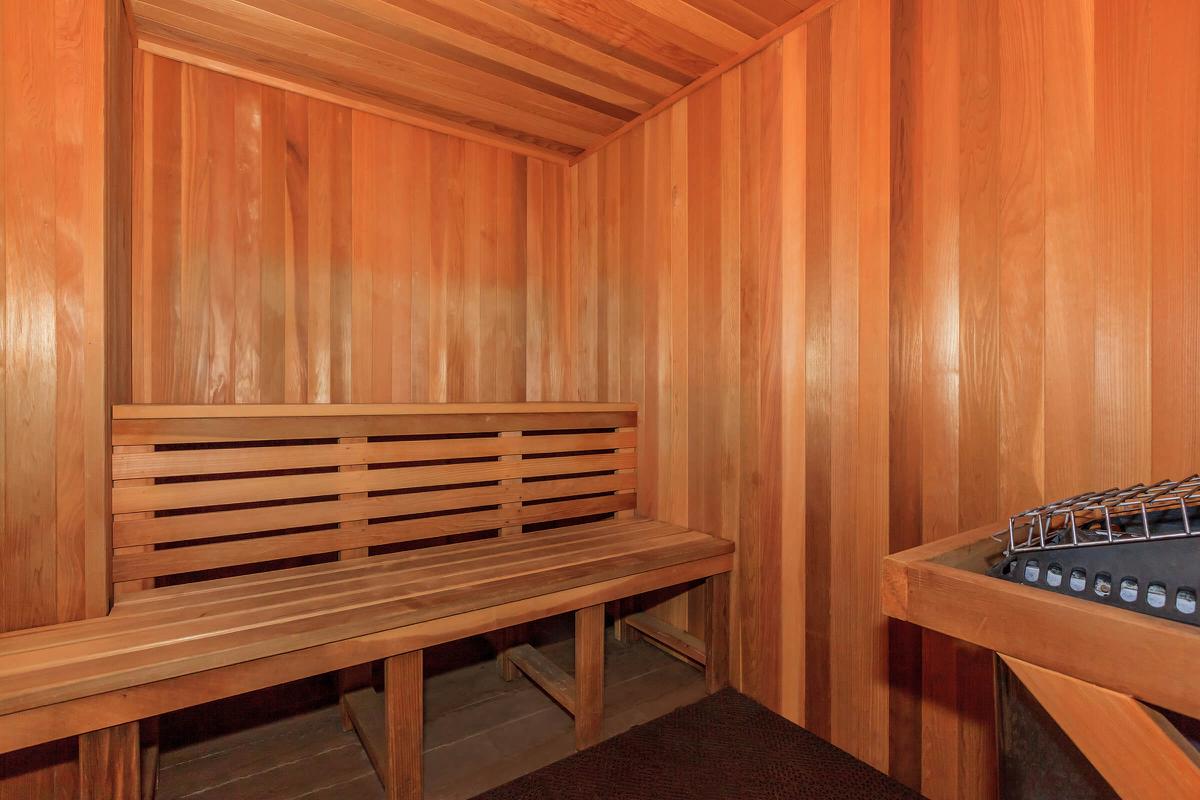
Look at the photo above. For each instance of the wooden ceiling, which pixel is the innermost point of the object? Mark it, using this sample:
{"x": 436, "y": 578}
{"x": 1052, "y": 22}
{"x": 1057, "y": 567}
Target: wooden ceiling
{"x": 550, "y": 77}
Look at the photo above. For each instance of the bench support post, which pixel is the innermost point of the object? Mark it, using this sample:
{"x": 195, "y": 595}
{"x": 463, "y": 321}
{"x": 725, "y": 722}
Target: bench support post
{"x": 589, "y": 675}
{"x": 110, "y": 763}
{"x": 403, "y": 693}
{"x": 507, "y": 638}
{"x": 357, "y": 677}
{"x": 716, "y": 632}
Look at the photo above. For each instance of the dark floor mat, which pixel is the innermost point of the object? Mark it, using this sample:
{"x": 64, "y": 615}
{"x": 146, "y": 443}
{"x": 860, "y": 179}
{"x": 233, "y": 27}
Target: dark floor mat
{"x": 725, "y": 746}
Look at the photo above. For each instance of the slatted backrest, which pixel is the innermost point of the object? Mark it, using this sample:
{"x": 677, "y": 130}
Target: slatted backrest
{"x": 198, "y": 489}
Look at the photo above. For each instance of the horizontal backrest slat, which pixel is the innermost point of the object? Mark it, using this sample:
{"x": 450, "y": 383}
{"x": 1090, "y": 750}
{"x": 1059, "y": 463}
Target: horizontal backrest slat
{"x": 258, "y": 429}
{"x": 172, "y": 463}
{"x": 204, "y": 488}
{"x": 166, "y": 496}
{"x": 212, "y": 524}
{"x": 273, "y": 548}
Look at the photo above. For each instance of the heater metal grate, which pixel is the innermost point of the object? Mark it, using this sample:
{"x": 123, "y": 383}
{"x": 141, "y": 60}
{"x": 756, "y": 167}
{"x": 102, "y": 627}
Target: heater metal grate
{"x": 1164, "y": 510}
{"x": 1084, "y": 546}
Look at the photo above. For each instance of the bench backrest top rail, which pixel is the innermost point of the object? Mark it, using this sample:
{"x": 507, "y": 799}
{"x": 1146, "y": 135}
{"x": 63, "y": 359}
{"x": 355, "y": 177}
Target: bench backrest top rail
{"x": 254, "y": 410}
{"x": 198, "y": 489}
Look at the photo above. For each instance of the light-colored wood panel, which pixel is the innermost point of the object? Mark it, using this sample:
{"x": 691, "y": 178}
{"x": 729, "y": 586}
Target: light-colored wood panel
{"x": 1070, "y": 203}
{"x": 1152, "y": 760}
{"x": 66, "y": 81}
{"x": 733, "y": 204}
{"x": 324, "y": 191}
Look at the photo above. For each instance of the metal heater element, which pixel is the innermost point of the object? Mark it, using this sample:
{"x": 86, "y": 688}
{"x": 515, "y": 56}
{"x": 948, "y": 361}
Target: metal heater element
{"x": 1136, "y": 548}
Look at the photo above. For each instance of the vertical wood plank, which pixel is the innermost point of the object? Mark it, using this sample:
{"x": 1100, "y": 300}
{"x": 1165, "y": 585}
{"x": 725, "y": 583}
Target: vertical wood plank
{"x": 1070, "y": 246}
{"x": 1175, "y": 236}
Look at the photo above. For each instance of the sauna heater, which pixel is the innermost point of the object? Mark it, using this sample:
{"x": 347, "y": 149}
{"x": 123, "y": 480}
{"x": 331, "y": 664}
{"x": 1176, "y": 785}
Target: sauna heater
{"x": 1136, "y": 548}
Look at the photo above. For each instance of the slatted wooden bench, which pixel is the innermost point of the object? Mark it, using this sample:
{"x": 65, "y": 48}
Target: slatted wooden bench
{"x": 256, "y": 545}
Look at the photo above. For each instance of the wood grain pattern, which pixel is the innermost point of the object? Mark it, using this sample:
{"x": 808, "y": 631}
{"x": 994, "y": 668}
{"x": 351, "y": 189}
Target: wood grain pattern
{"x": 114, "y": 708}
{"x": 302, "y": 252}
{"x": 747, "y": 338}
{"x": 404, "y": 687}
{"x": 589, "y": 675}
{"x": 65, "y": 136}
{"x": 543, "y": 77}
{"x": 1038, "y": 228}
{"x": 110, "y": 764}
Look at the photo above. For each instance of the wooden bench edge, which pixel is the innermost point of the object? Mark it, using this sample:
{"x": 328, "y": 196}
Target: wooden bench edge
{"x": 71, "y": 718}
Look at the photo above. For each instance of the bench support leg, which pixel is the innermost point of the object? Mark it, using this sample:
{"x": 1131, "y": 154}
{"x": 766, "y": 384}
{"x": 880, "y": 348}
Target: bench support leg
{"x": 622, "y": 630}
{"x": 589, "y": 675}
{"x": 716, "y": 629}
{"x": 403, "y": 692}
{"x": 349, "y": 680}
{"x": 110, "y": 764}
{"x": 508, "y": 638}
{"x": 150, "y": 757}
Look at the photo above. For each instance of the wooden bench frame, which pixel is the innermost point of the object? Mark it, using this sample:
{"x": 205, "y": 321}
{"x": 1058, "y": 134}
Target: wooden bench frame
{"x": 106, "y": 720}
{"x": 1093, "y": 689}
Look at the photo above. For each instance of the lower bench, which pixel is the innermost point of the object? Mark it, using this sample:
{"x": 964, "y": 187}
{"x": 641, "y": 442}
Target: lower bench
{"x": 174, "y": 647}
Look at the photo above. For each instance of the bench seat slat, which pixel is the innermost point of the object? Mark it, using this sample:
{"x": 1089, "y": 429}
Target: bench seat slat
{"x": 132, "y": 632}
{"x": 174, "y": 463}
{"x": 203, "y": 600}
{"x": 202, "y": 592}
{"x": 187, "y": 601}
{"x": 497, "y": 584}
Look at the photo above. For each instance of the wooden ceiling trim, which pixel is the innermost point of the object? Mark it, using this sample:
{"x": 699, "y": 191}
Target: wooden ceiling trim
{"x": 487, "y": 21}
{"x": 643, "y": 25}
{"x": 567, "y": 19}
{"x": 405, "y": 86}
{"x": 415, "y": 72}
{"x": 485, "y": 77}
{"x": 777, "y": 11}
{"x": 737, "y": 15}
{"x": 329, "y": 92}
{"x": 683, "y": 14}
{"x": 815, "y": 9}
{"x": 446, "y": 40}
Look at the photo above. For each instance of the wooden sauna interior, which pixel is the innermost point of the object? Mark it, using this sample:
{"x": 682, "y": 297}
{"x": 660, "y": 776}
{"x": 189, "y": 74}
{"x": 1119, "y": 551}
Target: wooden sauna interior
{"x": 875, "y": 272}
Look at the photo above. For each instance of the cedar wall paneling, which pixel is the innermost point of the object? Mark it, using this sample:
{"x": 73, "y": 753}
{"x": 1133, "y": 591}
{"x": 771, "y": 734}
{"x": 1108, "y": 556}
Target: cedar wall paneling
{"x": 1046, "y": 161}
{"x": 291, "y": 250}
{"x": 731, "y": 257}
{"x": 64, "y": 248}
